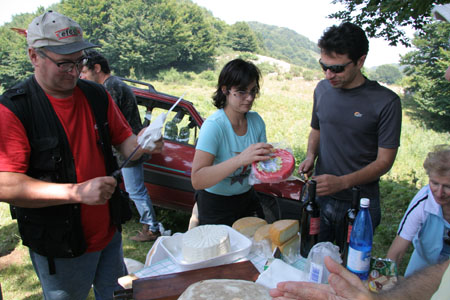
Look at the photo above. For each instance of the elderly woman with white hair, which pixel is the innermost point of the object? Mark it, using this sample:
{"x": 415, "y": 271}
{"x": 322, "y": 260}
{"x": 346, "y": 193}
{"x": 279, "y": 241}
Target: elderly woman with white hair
{"x": 426, "y": 222}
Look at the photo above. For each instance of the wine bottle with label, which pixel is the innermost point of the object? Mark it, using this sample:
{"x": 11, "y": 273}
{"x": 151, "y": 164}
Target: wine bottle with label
{"x": 349, "y": 221}
{"x": 310, "y": 222}
{"x": 361, "y": 238}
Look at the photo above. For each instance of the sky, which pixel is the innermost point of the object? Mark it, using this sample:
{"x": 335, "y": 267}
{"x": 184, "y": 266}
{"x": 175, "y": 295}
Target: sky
{"x": 306, "y": 17}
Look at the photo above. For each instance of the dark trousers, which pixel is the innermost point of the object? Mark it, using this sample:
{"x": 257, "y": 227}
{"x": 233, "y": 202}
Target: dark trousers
{"x": 332, "y": 219}
{"x": 218, "y": 209}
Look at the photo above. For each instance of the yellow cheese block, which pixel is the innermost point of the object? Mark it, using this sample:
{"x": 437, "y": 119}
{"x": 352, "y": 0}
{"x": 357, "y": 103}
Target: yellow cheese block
{"x": 262, "y": 233}
{"x": 283, "y": 230}
{"x": 248, "y": 225}
{"x": 291, "y": 246}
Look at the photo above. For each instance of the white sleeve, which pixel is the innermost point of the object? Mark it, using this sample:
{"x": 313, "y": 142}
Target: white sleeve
{"x": 414, "y": 217}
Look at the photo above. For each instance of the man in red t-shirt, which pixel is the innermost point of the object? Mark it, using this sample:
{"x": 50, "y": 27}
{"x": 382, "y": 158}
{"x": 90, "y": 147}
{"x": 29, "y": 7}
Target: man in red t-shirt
{"x": 56, "y": 50}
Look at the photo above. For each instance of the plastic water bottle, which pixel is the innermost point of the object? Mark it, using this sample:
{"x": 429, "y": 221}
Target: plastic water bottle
{"x": 360, "y": 248}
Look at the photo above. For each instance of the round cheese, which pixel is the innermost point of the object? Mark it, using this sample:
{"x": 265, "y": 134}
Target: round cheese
{"x": 205, "y": 242}
{"x": 248, "y": 225}
{"x": 263, "y": 233}
{"x": 277, "y": 168}
{"x": 225, "y": 289}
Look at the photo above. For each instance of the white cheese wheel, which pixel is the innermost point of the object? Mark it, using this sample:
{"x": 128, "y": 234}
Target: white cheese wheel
{"x": 225, "y": 289}
{"x": 205, "y": 242}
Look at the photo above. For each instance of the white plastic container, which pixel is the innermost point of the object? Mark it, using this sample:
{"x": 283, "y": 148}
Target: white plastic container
{"x": 240, "y": 248}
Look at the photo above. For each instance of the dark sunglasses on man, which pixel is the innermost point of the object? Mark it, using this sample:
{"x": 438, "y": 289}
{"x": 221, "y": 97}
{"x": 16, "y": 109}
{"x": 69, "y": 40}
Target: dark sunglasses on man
{"x": 334, "y": 68}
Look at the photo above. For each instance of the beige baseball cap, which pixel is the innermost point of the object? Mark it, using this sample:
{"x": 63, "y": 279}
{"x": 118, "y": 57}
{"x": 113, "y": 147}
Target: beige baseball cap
{"x": 57, "y": 33}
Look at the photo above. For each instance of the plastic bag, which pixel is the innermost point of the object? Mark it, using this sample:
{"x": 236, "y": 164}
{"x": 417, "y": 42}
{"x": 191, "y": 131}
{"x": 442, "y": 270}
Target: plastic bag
{"x": 152, "y": 133}
{"x": 276, "y": 169}
{"x": 315, "y": 266}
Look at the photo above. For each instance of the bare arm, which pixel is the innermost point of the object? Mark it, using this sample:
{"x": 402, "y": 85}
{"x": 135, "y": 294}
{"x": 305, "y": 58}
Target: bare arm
{"x": 345, "y": 285}
{"x": 421, "y": 285}
{"x": 330, "y": 184}
{"x": 21, "y": 190}
{"x": 313, "y": 148}
{"x": 398, "y": 249}
{"x": 205, "y": 174}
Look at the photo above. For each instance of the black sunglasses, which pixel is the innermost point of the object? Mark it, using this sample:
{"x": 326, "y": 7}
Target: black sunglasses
{"x": 334, "y": 68}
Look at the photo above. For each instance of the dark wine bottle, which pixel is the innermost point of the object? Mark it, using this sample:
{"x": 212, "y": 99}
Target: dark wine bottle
{"x": 310, "y": 223}
{"x": 349, "y": 221}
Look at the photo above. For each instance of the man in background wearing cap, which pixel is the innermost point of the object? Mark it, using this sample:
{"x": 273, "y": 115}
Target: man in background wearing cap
{"x": 53, "y": 160}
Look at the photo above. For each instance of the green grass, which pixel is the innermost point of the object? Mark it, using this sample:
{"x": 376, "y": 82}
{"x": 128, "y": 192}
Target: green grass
{"x": 285, "y": 105}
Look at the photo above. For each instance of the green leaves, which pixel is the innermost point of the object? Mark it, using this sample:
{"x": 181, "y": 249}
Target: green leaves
{"x": 427, "y": 66}
{"x": 388, "y": 18}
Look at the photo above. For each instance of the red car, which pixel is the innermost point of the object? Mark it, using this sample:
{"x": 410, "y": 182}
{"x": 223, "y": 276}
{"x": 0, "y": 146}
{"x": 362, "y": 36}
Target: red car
{"x": 168, "y": 175}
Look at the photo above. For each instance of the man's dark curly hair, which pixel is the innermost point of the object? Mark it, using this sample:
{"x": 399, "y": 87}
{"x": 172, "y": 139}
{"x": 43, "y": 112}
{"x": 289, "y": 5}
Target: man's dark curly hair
{"x": 238, "y": 73}
{"x": 94, "y": 57}
{"x": 346, "y": 38}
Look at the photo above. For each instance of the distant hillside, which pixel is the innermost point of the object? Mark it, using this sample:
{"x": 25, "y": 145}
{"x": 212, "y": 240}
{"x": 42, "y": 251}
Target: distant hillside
{"x": 287, "y": 45}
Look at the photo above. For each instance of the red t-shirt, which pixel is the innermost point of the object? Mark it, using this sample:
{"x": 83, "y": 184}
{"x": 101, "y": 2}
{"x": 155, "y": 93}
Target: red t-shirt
{"x": 78, "y": 122}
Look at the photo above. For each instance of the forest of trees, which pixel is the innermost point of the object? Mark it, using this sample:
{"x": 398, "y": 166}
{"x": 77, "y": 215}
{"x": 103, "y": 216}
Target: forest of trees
{"x": 141, "y": 38}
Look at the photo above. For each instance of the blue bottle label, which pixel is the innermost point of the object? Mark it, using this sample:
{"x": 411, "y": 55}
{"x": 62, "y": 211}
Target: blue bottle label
{"x": 358, "y": 261}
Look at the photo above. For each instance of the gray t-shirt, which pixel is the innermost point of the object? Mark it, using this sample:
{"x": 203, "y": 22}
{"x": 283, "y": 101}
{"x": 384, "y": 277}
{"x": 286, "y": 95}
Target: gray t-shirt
{"x": 353, "y": 123}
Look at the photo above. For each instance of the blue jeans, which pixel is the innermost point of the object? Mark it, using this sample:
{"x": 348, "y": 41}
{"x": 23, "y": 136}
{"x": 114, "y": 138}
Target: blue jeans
{"x": 133, "y": 178}
{"x": 332, "y": 219}
{"x": 75, "y": 276}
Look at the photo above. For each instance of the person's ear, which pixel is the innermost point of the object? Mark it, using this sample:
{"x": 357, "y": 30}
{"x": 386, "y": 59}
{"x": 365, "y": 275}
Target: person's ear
{"x": 361, "y": 61}
{"x": 224, "y": 89}
{"x": 97, "y": 68}
{"x": 32, "y": 54}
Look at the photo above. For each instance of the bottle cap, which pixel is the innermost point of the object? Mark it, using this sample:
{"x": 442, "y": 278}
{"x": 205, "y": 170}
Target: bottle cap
{"x": 365, "y": 202}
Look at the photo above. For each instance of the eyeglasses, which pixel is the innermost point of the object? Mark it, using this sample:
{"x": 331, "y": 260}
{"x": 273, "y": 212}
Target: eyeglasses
{"x": 66, "y": 66}
{"x": 244, "y": 94}
{"x": 334, "y": 68}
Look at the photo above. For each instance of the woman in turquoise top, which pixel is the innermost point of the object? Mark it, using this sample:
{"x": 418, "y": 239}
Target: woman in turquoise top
{"x": 229, "y": 141}
{"x": 426, "y": 221}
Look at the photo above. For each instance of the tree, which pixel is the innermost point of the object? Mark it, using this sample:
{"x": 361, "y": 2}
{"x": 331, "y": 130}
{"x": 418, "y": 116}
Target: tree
{"x": 146, "y": 36}
{"x": 14, "y": 63}
{"x": 387, "y": 73}
{"x": 388, "y": 18}
{"x": 242, "y": 38}
{"x": 427, "y": 66}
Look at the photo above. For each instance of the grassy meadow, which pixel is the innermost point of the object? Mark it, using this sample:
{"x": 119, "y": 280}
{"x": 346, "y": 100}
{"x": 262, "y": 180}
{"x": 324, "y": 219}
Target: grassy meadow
{"x": 285, "y": 104}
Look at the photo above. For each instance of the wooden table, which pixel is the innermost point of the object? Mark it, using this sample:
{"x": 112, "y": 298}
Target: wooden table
{"x": 171, "y": 286}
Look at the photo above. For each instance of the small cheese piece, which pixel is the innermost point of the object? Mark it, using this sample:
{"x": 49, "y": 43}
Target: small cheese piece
{"x": 291, "y": 247}
{"x": 262, "y": 233}
{"x": 205, "y": 242}
{"x": 248, "y": 225}
{"x": 225, "y": 289}
{"x": 283, "y": 230}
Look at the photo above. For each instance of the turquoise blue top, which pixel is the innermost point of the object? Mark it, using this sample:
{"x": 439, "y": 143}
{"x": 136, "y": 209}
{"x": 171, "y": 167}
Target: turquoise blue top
{"x": 218, "y": 138}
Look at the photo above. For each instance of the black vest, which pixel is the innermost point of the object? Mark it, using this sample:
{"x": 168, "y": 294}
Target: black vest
{"x": 56, "y": 231}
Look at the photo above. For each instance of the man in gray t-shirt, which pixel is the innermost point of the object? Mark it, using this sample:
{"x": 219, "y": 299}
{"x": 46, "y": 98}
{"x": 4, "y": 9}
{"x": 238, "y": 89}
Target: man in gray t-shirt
{"x": 355, "y": 130}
